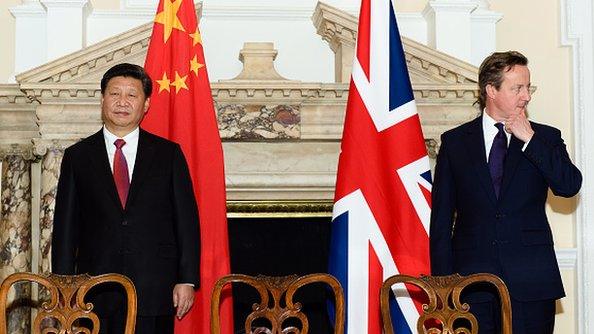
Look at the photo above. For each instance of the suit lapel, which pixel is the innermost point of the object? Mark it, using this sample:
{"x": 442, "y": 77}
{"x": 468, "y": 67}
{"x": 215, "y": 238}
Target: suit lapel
{"x": 475, "y": 143}
{"x": 514, "y": 152}
{"x": 144, "y": 158}
{"x": 100, "y": 163}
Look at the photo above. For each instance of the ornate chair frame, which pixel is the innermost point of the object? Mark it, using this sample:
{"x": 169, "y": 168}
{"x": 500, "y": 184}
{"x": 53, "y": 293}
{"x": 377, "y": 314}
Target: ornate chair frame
{"x": 277, "y": 287}
{"x": 66, "y": 304}
{"x": 444, "y": 301}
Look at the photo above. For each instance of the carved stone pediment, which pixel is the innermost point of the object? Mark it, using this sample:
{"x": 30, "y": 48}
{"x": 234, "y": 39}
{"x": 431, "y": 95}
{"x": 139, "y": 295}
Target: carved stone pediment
{"x": 77, "y": 76}
{"x": 281, "y": 136}
{"x": 89, "y": 64}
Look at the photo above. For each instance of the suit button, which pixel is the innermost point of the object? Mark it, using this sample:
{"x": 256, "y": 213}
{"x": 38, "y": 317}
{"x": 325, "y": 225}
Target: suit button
{"x": 124, "y": 222}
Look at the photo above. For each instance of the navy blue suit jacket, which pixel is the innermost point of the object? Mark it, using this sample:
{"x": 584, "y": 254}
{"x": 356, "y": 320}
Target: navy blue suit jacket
{"x": 474, "y": 231}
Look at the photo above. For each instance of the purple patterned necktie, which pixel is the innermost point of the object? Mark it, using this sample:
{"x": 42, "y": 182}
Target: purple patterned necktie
{"x": 120, "y": 172}
{"x": 497, "y": 158}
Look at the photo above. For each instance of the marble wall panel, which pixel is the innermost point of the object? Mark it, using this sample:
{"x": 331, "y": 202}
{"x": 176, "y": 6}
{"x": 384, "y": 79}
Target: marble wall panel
{"x": 258, "y": 122}
{"x": 15, "y": 237}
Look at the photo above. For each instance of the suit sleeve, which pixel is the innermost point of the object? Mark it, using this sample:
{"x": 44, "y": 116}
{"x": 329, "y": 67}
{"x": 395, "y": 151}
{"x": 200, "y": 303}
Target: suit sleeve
{"x": 550, "y": 156}
{"x": 442, "y": 214}
{"x": 66, "y": 214}
{"x": 186, "y": 221}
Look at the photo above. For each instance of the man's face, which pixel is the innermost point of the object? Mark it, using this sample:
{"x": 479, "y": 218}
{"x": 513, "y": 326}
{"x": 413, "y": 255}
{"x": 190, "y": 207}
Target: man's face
{"x": 123, "y": 105}
{"x": 513, "y": 95}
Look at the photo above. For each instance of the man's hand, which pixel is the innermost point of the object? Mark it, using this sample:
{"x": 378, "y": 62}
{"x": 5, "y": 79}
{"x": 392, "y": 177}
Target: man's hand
{"x": 183, "y": 298}
{"x": 519, "y": 126}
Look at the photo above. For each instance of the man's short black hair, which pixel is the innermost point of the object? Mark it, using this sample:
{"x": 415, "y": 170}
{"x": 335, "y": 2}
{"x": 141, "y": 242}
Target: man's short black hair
{"x": 128, "y": 70}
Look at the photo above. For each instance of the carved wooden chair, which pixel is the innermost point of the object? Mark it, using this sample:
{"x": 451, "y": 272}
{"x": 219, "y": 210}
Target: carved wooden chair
{"x": 444, "y": 303}
{"x": 66, "y": 307}
{"x": 276, "y": 304}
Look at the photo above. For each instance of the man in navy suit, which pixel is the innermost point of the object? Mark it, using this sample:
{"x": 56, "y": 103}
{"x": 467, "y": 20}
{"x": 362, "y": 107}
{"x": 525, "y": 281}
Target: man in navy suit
{"x": 125, "y": 204}
{"x": 491, "y": 183}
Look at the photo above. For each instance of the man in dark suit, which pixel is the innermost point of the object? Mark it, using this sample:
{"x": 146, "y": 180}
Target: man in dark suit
{"x": 125, "y": 204}
{"x": 491, "y": 183}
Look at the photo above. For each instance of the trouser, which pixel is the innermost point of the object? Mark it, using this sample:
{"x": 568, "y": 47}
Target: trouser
{"x": 534, "y": 317}
{"x": 111, "y": 308}
{"x": 144, "y": 325}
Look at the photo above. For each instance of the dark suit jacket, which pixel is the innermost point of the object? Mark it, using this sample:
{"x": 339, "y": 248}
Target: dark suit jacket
{"x": 473, "y": 231}
{"x": 154, "y": 240}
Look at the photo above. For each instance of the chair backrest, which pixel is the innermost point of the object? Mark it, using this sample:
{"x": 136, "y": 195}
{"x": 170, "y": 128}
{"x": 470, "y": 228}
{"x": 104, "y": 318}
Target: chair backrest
{"x": 276, "y": 304}
{"x": 66, "y": 305}
{"x": 444, "y": 304}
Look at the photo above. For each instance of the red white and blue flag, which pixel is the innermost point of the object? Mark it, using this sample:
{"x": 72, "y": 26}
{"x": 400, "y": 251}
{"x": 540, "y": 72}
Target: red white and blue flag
{"x": 382, "y": 206}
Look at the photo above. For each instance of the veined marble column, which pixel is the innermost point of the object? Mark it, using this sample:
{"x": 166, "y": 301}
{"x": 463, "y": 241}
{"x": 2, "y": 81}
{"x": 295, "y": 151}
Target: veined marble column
{"x": 50, "y": 171}
{"x": 15, "y": 235}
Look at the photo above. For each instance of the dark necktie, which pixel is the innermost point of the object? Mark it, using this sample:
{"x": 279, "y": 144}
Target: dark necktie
{"x": 497, "y": 158}
{"x": 120, "y": 172}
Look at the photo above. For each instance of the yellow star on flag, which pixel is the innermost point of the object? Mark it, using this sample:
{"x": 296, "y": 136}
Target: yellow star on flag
{"x": 168, "y": 18}
{"x": 195, "y": 65}
{"x": 179, "y": 83}
{"x": 196, "y": 38}
{"x": 164, "y": 83}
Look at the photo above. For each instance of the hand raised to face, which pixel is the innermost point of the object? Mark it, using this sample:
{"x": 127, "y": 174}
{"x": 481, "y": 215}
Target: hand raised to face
{"x": 519, "y": 126}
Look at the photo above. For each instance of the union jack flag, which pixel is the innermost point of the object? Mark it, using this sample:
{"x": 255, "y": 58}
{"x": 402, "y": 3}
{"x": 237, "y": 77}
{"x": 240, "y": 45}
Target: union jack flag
{"x": 382, "y": 206}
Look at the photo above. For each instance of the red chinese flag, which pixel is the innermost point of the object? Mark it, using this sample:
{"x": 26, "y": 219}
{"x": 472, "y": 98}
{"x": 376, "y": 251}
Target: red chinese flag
{"x": 182, "y": 110}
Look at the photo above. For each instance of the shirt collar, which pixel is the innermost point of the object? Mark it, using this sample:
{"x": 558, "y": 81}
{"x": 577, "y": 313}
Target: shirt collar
{"x": 110, "y": 138}
{"x": 487, "y": 119}
{"x": 489, "y": 123}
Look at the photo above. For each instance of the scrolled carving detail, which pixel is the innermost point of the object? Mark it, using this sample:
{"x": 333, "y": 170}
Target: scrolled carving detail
{"x": 444, "y": 305}
{"x": 276, "y": 312}
{"x": 65, "y": 308}
{"x": 26, "y": 151}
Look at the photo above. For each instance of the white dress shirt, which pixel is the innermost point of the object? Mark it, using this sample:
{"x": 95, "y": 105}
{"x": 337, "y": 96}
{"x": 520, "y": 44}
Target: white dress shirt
{"x": 129, "y": 149}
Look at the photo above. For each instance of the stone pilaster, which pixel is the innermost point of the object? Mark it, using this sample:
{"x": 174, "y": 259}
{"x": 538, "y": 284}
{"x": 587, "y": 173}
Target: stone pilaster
{"x": 15, "y": 231}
